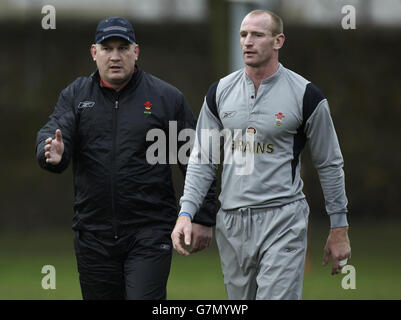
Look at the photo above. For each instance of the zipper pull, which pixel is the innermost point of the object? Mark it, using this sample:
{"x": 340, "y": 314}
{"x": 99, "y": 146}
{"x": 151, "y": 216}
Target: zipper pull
{"x": 116, "y": 105}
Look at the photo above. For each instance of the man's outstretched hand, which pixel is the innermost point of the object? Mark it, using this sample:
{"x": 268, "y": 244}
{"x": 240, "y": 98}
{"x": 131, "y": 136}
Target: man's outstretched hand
{"x": 54, "y": 148}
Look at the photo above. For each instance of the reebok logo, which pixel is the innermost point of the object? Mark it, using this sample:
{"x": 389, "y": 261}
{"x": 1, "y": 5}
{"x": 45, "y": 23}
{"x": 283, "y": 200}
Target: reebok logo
{"x": 86, "y": 104}
{"x": 228, "y": 114}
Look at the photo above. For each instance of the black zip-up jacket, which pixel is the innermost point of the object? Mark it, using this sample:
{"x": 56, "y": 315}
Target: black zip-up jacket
{"x": 104, "y": 134}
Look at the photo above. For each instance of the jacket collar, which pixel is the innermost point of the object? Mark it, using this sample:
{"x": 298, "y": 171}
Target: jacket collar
{"x": 134, "y": 81}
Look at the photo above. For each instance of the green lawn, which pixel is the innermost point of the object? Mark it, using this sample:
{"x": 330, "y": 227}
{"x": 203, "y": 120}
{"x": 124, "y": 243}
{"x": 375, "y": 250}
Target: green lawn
{"x": 375, "y": 256}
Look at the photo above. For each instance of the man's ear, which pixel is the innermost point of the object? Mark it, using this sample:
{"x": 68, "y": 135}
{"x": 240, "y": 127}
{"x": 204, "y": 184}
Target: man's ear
{"x": 93, "y": 51}
{"x": 136, "y": 50}
{"x": 279, "y": 41}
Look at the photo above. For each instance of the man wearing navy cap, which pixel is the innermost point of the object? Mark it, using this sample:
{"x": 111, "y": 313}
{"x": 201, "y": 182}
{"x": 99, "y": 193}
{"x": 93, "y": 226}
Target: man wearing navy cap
{"x": 125, "y": 207}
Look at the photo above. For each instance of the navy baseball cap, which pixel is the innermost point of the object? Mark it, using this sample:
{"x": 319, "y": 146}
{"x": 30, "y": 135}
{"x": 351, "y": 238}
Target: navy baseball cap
{"x": 114, "y": 27}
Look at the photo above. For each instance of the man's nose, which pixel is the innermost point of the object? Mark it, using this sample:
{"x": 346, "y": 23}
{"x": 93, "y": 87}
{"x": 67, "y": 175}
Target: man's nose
{"x": 248, "y": 42}
{"x": 115, "y": 55}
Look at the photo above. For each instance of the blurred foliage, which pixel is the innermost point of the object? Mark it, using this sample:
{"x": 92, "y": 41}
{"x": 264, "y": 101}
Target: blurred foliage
{"x": 357, "y": 70}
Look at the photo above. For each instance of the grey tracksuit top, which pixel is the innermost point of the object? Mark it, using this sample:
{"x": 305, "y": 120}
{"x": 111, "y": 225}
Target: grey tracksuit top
{"x": 264, "y": 135}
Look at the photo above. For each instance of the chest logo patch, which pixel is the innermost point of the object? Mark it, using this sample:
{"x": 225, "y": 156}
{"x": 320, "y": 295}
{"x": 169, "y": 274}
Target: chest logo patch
{"x": 228, "y": 114}
{"x": 279, "y": 119}
{"x": 86, "y": 104}
{"x": 148, "y": 106}
{"x": 251, "y": 131}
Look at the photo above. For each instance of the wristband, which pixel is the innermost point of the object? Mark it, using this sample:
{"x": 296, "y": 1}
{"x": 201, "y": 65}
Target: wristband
{"x": 185, "y": 214}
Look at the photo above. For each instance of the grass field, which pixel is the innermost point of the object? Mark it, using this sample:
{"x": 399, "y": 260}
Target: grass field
{"x": 375, "y": 256}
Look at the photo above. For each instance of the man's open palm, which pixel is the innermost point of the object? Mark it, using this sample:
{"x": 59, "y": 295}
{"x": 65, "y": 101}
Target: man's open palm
{"x": 54, "y": 148}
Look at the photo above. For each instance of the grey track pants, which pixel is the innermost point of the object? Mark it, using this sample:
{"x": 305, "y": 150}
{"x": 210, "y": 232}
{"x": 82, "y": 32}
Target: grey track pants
{"x": 262, "y": 251}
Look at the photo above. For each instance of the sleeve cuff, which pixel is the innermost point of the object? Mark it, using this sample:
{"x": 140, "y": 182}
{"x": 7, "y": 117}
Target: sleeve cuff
{"x": 188, "y": 207}
{"x": 338, "y": 220}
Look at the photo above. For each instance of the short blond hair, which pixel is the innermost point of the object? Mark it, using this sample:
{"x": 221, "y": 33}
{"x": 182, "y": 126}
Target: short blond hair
{"x": 276, "y": 27}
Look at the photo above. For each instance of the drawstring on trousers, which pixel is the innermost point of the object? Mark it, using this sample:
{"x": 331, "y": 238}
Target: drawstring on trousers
{"x": 246, "y": 219}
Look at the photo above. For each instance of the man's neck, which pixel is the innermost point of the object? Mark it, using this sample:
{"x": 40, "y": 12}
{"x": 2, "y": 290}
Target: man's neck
{"x": 258, "y": 74}
{"x": 116, "y": 87}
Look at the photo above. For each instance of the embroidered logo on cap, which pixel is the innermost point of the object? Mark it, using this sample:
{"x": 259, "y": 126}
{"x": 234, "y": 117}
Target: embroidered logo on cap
{"x": 112, "y": 28}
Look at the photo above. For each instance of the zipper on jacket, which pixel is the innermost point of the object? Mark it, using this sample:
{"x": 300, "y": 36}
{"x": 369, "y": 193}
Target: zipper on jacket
{"x": 114, "y": 222}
